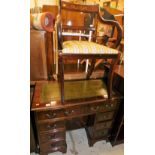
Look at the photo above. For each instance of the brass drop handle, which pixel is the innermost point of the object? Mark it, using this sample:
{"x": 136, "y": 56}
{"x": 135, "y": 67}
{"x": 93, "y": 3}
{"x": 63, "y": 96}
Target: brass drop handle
{"x": 48, "y": 126}
{"x": 52, "y": 136}
{"x": 67, "y": 112}
{"x": 72, "y": 111}
{"x": 106, "y": 105}
{"x": 105, "y": 116}
{"x": 95, "y": 108}
{"x": 51, "y": 126}
{"x": 49, "y": 116}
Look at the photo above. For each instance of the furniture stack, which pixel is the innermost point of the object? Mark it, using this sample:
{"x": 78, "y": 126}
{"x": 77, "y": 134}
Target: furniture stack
{"x": 93, "y": 103}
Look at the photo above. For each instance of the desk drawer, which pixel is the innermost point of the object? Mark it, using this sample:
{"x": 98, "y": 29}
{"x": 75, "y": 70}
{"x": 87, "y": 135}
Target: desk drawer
{"x": 44, "y": 138}
{"x": 52, "y": 145}
{"x": 103, "y": 125}
{"x": 102, "y": 107}
{"x": 97, "y": 134}
{"x": 94, "y": 108}
{"x": 43, "y": 127}
{"x": 111, "y": 105}
{"x": 101, "y": 133}
{"x": 47, "y": 115}
{"x": 74, "y": 111}
{"x": 104, "y": 116}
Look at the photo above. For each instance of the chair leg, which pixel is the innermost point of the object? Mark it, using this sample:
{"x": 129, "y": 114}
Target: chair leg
{"x": 91, "y": 68}
{"x": 87, "y": 63}
{"x": 110, "y": 75}
{"x": 61, "y": 71}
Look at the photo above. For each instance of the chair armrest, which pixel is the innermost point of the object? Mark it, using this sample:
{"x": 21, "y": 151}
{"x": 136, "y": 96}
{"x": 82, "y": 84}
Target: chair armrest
{"x": 115, "y": 24}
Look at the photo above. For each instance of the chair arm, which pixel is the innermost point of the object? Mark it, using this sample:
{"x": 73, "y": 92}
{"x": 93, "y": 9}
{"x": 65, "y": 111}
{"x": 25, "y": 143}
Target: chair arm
{"x": 115, "y": 24}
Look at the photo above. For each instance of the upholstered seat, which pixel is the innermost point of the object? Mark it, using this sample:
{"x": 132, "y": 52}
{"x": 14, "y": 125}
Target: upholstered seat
{"x": 86, "y": 47}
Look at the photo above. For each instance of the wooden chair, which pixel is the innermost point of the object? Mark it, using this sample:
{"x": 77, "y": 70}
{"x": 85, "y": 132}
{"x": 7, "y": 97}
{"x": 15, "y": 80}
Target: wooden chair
{"x": 85, "y": 49}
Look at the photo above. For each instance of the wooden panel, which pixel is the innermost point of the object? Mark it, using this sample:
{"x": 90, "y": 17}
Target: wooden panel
{"x": 52, "y": 145}
{"x": 98, "y": 134}
{"x": 32, "y": 136}
{"x": 51, "y": 136}
{"x": 50, "y": 8}
{"x": 46, "y": 127}
{"x": 32, "y": 139}
{"x": 50, "y": 54}
{"x": 38, "y": 65}
{"x": 103, "y": 125}
{"x": 49, "y": 37}
{"x": 47, "y": 115}
{"x": 70, "y": 16}
{"x": 104, "y": 116}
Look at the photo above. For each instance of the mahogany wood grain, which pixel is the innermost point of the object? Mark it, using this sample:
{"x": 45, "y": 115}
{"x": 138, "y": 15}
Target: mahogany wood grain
{"x": 38, "y": 63}
{"x": 53, "y": 107}
{"x": 51, "y": 8}
{"x": 49, "y": 43}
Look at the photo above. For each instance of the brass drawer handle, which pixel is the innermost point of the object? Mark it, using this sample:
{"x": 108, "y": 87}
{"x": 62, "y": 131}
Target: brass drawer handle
{"x": 105, "y": 116}
{"x": 95, "y": 108}
{"x": 66, "y": 113}
{"x": 107, "y": 105}
{"x": 52, "y": 136}
{"x": 49, "y": 116}
{"x": 112, "y": 105}
{"x": 69, "y": 112}
{"x": 51, "y": 126}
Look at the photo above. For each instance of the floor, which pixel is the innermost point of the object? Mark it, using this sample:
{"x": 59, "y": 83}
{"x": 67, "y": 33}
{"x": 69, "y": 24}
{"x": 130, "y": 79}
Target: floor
{"x": 77, "y": 144}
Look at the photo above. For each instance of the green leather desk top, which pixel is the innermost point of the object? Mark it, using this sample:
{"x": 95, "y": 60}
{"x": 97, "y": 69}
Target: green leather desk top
{"x": 73, "y": 90}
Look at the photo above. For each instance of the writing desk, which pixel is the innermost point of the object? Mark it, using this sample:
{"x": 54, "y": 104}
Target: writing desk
{"x": 86, "y": 106}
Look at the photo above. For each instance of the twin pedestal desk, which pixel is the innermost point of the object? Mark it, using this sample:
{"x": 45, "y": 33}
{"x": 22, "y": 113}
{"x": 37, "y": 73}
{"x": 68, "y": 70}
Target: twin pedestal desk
{"x": 86, "y": 106}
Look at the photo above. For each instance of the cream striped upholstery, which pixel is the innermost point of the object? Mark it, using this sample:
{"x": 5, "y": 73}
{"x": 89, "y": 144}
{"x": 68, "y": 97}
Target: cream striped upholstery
{"x": 86, "y": 47}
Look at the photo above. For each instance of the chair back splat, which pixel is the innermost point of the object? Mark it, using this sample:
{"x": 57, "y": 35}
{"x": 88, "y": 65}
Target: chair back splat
{"x": 76, "y": 39}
